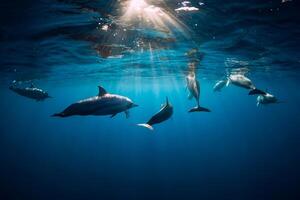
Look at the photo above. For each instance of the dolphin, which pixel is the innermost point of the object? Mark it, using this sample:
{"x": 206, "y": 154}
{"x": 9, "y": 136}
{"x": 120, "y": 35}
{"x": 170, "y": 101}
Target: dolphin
{"x": 219, "y": 85}
{"x": 193, "y": 86}
{"x": 30, "y": 92}
{"x": 102, "y": 104}
{"x": 241, "y": 80}
{"x": 266, "y": 99}
{"x": 163, "y": 114}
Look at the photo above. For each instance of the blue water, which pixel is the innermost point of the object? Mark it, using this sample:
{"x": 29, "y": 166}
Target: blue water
{"x": 238, "y": 151}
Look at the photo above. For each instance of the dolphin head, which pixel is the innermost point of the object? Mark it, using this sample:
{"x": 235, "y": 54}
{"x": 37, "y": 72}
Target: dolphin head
{"x": 47, "y": 95}
{"x": 130, "y": 103}
{"x": 13, "y": 87}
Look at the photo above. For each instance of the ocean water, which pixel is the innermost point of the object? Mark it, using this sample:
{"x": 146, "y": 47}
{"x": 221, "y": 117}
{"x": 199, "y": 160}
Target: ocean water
{"x": 144, "y": 50}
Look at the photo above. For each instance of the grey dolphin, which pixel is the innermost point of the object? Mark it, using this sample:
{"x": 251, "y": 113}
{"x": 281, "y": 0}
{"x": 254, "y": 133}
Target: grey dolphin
{"x": 193, "y": 86}
{"x": 102, "y": 104}
{"x": 266, "y": 99}
{"x": 163, "y": 114}
{"x": 30, "y": 92}
{"x": 240, "y": 80}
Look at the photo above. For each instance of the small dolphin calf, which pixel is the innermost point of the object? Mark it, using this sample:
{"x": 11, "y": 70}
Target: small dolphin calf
{"x": 102, "y": 104}
{"x": 241, "y": 80}
{"x": 219, "y": 85}
{"x": 266, "y": 99}
{"x": 30, "y": 92}
{"x": 163, "y": 114}
{"x": 193, "y": 86}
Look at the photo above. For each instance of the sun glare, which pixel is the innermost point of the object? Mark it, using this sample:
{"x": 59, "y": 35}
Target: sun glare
{"x": 147, "y": 15}
{"x": 137, "y": 5}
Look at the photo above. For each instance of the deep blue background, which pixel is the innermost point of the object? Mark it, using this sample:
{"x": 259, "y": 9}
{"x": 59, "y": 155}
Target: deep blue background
{"x": 238, "y": 151}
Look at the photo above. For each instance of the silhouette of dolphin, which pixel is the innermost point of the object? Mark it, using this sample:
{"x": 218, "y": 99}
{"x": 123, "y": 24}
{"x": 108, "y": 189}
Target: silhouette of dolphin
{"x": 266, "y": 99}
{"x": 31, "y": 92}
{"x": 241, "y": 80}
{"x": 193, "y": 86}
{"x": 102, "y": 104}
{"x": 163, "y": 114}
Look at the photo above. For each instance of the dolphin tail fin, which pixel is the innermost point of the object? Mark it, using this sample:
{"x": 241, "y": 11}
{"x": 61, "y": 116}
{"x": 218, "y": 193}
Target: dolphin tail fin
{"x": 58, "y": 115}
{"x": 256, "y": 91}
{"x": 146, "y": 126}
{"x": 199, "y": 109}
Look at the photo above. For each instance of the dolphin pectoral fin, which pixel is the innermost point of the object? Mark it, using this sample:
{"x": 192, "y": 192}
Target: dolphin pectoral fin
{"x": 227, "y": 83}
{"x": 257, "y": 104}
{"x": 113, "y": 115}
{"x": 146, "y": 126}
{"x": 190, "y": 96}
{"x": 127, "y": 114}
{"x": 199, "y": 109}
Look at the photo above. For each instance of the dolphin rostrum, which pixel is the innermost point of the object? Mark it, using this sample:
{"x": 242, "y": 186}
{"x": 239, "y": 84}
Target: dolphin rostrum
{"x": 102, "y": 104}
{"x": 163, "y": 114}
{"x": 193, "y": 86}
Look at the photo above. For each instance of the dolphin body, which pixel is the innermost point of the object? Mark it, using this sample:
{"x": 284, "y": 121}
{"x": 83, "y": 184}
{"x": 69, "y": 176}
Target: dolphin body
{"x": 102, "y": 104}
{"x": 266, "y": 99}
{"x": 193, "y": 86}
{"x": 163, "y": 114}
{"x": 30, "y": 92}
{"x": 241, "y": 80}
{"x": 219, "y": 85}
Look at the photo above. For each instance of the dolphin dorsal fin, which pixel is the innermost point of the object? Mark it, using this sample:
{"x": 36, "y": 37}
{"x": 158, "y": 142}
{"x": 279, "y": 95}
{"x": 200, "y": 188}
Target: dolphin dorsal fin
{"x": 102, "y": 91}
